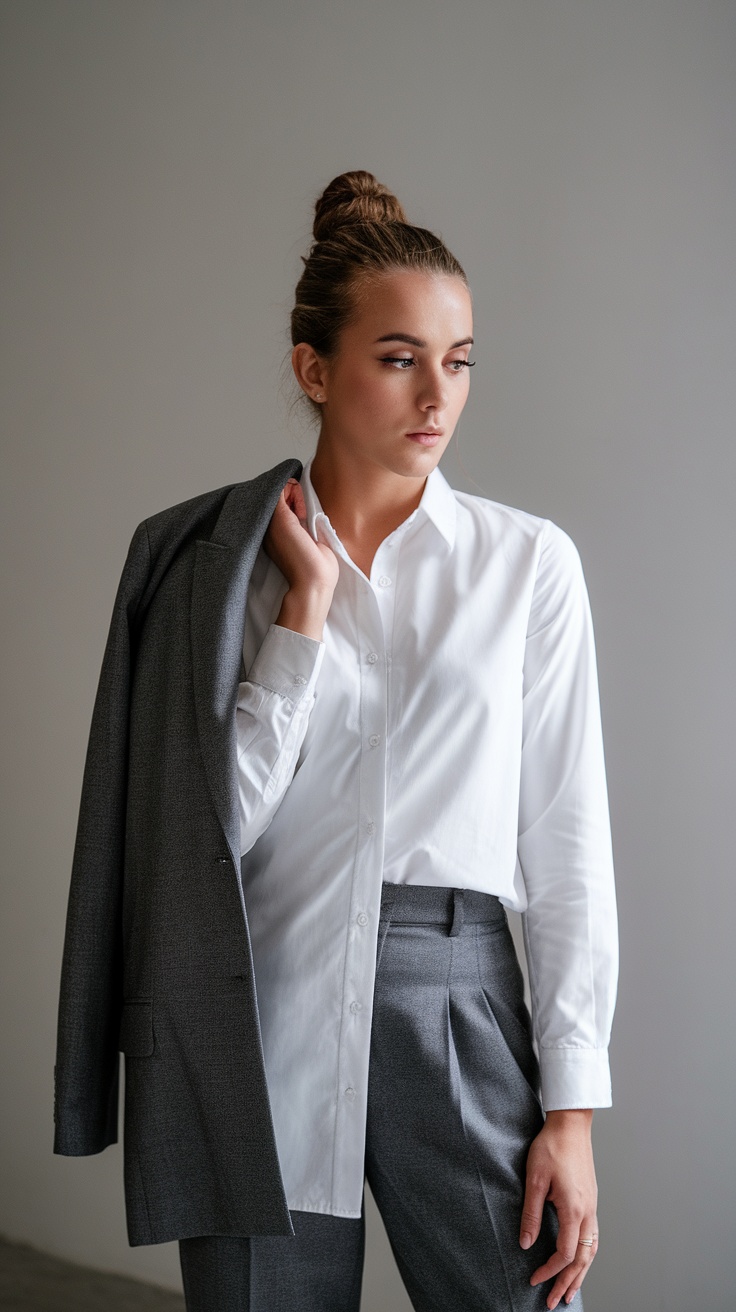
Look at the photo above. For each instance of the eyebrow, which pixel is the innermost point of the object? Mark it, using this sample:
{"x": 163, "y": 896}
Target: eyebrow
{"x": 417, "y": 341}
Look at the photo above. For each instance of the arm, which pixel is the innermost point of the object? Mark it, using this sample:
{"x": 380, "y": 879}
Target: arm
{"x": 570, "y": 935}
{"x": 272, "y": 715}
{"x": 275, "y": 701}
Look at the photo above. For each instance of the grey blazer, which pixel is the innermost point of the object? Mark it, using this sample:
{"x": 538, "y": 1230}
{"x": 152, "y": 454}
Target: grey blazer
{"x": 157, "y": 959}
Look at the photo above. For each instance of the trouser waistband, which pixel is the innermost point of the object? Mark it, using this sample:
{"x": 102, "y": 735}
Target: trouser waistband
{"x": 427, "y": 904}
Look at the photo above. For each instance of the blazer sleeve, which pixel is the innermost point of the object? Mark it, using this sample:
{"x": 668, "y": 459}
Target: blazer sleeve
{"x": 87, "y": 1059}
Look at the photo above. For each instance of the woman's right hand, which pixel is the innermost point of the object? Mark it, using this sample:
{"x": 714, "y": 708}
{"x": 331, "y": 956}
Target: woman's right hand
{"x": 310, "y": 568}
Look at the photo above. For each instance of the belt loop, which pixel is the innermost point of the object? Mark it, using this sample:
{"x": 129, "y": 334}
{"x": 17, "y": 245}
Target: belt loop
{"x": 458, "y": 915}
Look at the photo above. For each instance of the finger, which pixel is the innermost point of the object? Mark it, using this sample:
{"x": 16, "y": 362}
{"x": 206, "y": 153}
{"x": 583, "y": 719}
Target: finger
{"x": 288, "y": 492}
{"x": 294, "y": 497}
{"x": 567, "y": 1283}
{"x": 552, "y": 1267}
{"x": 572, "y": 1289}
{"x": 571, "y": 1278}
{"x": 531, "y": 1216}
{"x": 565, "y": 1253}
{"x": 565, "y": 1256}
{"x": 560, "y": 1289}
{"x": 288, "y": 507}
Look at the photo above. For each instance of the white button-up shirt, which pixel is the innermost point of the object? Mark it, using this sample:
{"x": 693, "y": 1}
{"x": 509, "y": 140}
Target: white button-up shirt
{"x": 445, "y": 731}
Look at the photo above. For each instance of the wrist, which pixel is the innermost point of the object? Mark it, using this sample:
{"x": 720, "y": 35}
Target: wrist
{"x": 304, "y": 609}
{"x": 570, "y": 1118}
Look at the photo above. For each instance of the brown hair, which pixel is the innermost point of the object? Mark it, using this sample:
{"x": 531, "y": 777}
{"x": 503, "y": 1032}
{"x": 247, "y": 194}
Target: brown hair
{"x": 360, "y": 232}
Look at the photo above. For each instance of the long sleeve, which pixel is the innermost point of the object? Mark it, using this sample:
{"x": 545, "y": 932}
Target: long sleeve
{"x": 272, "y": 714}
{"x": 86, "y": 1070}
{"x": 564, "y": 840}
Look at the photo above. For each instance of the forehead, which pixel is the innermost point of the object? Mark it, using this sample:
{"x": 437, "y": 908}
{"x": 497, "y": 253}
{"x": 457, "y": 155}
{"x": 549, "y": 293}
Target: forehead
{"x": 433, "y": 307}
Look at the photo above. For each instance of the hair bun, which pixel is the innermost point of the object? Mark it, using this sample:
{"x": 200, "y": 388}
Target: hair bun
{"x": 354, "y": 198}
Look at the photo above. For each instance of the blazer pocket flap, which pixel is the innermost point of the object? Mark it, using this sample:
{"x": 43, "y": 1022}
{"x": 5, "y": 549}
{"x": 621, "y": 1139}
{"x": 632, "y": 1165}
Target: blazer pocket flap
{"x": 136, "y": 1028}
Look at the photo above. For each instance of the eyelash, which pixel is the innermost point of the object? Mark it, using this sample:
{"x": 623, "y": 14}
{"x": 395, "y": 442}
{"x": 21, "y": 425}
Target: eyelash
{"x": 400, "y": 359}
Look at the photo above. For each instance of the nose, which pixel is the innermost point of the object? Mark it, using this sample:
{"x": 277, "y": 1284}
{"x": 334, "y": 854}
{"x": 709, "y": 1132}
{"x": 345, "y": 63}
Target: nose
{"x": 433, "y": 392}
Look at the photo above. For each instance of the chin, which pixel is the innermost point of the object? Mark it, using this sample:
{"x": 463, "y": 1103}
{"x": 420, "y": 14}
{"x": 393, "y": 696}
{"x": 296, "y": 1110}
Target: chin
{"x": 413, "y": 463}
{"x": 423, "y": 457}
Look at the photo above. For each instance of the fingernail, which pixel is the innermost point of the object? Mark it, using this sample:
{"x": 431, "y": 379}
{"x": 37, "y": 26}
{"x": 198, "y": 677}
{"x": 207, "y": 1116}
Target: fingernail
{"x": 526, "y": 1240}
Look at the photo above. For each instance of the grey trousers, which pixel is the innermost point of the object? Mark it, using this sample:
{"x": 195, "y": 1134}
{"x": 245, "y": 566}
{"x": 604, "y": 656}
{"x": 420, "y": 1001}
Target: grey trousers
{"x": 452, "y": 1109}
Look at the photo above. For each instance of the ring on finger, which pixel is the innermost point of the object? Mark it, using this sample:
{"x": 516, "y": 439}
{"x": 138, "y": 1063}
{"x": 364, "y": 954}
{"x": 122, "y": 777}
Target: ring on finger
{"x": 588, "y": 1243}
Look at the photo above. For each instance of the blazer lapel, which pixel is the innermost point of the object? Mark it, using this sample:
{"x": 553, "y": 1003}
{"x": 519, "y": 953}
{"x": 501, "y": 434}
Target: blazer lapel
{"x": 222, "y": 571}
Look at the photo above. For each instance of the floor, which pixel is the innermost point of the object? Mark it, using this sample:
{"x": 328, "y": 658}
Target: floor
{"x": 34, "y": 1282}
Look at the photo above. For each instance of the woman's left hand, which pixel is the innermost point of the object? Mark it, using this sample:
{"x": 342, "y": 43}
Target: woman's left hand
{"x": 560, "y": 1168}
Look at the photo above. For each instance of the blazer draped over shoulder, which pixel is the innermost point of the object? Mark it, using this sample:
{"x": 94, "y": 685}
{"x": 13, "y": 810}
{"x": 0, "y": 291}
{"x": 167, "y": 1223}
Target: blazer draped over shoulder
{"x": 157, "y": 960}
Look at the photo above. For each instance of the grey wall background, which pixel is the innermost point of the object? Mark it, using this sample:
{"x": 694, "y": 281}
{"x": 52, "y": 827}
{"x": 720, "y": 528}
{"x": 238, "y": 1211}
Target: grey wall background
{"x": 160, "y": 160}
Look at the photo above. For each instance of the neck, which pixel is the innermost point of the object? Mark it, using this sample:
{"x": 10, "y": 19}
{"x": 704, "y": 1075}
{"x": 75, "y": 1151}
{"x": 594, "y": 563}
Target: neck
{"x": 363, "y": 502}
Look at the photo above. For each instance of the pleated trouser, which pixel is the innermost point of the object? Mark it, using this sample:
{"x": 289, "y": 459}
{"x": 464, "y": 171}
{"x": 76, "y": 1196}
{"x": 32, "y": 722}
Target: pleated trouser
{"x": 452, "y": 1108}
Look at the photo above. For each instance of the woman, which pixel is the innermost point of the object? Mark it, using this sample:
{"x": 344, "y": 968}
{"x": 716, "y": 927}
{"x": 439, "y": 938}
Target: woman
{"x": 341, "y": 724}
{"x": 419, "y": 745}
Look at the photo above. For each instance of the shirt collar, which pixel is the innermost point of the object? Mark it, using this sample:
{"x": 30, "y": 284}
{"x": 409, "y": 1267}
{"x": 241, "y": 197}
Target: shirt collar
{"x": 437, "y": 504}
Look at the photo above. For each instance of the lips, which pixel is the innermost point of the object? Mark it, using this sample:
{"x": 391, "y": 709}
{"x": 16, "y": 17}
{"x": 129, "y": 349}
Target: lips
{"x": 427, "y": 437}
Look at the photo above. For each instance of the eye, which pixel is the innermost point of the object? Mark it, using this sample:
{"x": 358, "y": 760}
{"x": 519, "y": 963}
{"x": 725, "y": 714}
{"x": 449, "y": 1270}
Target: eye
{"x": 398, "y": 359}
{"x": 457, "y": 366}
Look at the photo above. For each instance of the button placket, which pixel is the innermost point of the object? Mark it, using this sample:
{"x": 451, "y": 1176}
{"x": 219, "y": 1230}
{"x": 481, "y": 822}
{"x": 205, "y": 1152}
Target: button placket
{"x": 367, "y": 872}
{"x": 385, "y": 564}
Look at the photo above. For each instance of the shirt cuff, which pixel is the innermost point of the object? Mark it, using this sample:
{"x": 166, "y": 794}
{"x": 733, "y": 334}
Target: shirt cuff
{"x": 575, "y": 1077}
{"x": 287, "y": 662}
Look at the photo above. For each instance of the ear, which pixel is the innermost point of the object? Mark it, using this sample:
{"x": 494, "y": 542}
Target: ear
{"x": 310, "y": 371}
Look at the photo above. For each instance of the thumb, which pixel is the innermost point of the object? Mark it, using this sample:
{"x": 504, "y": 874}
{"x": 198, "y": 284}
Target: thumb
{"x": 531, "y": 1216}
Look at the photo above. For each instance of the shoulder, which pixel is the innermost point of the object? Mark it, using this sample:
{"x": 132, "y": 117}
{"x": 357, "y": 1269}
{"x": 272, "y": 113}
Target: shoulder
{"x": 540, "y": 556}
{"x": 198, "y": 515}
{"x": 161, "y": 538}
{"x": 550, "y": 542}
{"x": 184, "y": 514}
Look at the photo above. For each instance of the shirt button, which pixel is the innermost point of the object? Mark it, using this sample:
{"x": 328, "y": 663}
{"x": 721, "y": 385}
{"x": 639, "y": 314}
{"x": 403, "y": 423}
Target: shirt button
{"x": 350, "y": 1092}
{"x": 372, "y": 657}
{"x": 362, "y": 918}
{"x": 384, "y": 581}
{"x": 299, "y": 678}
{"x": 374, "y": 739}
{"x": 370, "y": 826}
{"x": 354, "y": 1006}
